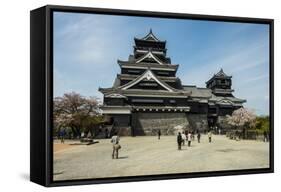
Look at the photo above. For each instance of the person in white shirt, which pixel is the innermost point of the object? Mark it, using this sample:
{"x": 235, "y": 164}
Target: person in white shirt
{"x": 210, "y": 136}
{"x": 183, "y": 137}
{"x": 116, "y": 146}
{"x": 189, "y": 137}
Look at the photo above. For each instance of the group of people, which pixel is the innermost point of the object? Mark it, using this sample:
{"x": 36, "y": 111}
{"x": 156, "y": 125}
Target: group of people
{"x": 181, "y": 139}
{"x": 189, "y": 136}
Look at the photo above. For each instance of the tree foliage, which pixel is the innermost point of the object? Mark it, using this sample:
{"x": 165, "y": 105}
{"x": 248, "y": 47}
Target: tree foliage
{"x": 241, "y": 117}
{"x": 76, "y": 112}
{"x": 262, "y": 124}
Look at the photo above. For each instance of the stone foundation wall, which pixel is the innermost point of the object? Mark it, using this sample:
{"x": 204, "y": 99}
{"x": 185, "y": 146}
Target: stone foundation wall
{"x": 222, "y": 124}
{"x": 124, "y": 131}
{"x": 150, "y": 123}
{"x": 198, "y": 122}
{"x": 168, "y": 123}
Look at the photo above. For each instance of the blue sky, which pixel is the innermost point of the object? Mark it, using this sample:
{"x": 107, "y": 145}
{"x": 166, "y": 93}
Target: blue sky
{"x": 87, "y": 46}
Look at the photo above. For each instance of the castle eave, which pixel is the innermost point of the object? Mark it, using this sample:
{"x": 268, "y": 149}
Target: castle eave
{"x": 116, "y": 109}
{"x": 161, "y": 108}
{"x": 164, "y": 67}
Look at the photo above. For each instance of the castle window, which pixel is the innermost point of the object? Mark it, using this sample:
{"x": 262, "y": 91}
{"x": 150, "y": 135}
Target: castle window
{"x": 212, "y": 110}
{"x": 134, "y": 71}
{"x": 147, "y": 100}
{"x": 172, "y": 101}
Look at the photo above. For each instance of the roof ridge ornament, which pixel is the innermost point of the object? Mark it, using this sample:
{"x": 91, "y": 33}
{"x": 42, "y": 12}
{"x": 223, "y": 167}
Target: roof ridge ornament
{"x": 148, "y": 75}
{"x": 221, "y": 73}
{"x": 150, "y": 35}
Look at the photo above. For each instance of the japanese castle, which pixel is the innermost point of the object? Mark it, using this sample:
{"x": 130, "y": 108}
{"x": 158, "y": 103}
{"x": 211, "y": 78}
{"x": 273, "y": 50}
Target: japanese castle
{"x": 147, "y": 95}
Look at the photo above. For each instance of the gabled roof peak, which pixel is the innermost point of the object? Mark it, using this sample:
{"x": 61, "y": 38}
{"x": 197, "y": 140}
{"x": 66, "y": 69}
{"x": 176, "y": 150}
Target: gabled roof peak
{"x": 221, "y": 73}
{"x": 150, "y": 36}
{"x": 149, "y": 54}
{"x": 147, "y": 75}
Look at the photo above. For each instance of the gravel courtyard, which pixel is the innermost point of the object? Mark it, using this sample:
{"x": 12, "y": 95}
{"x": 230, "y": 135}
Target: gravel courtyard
{"x": 148, "y": 156}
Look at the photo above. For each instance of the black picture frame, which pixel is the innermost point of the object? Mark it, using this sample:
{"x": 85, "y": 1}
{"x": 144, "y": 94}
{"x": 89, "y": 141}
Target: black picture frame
{"x": 41, "y": 93}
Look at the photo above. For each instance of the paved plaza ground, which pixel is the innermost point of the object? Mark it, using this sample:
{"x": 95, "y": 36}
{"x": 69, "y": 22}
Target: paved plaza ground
{"x": 148, "y": 156}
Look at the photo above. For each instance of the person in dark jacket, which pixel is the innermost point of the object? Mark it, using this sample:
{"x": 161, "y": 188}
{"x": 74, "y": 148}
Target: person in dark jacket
{"x": 198, "y": 136}
{"x": 265, "y": 139}
{"x": 62, "y": 135}
{"x": 159, "y": 133}
{"x": 179, "y": 140}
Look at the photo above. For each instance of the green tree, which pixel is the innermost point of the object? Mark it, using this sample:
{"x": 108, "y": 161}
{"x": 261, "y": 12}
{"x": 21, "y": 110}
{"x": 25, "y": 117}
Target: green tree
{"x": 262, "y": 124}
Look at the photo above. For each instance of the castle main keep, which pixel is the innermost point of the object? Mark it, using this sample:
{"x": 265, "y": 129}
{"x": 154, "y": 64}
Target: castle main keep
{"x": 147, "y": 95}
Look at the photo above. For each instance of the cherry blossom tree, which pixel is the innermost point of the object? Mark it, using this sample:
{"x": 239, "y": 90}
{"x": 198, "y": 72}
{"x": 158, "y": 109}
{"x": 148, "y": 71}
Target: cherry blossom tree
{"x": 242, "y": 119}
{"x": 76, "y": 112}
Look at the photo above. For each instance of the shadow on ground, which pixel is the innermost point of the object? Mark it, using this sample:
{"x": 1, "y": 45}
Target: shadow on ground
{"x": 124, "y": 157}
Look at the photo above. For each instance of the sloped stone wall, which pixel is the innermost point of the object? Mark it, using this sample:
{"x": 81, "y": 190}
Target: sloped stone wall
{"x": 222, "y": 124}
{"x": 198, "y": 122}
{"x": 149, "y": 123}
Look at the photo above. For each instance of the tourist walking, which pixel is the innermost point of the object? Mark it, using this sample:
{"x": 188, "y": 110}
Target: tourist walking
{"x": 189, "y": 137}
{"x": 198, "y": 136}
{"x": 159, "y": 133}
{"x": 62, "y": 135}
{"x": 179, "y": 141}
{"x": 116, "y": 146}
{"x": 265, "y": 136}
{"x": 210, "y": 136}
{"x": 183, "y": 138}
{"x": 192, "y": 135}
